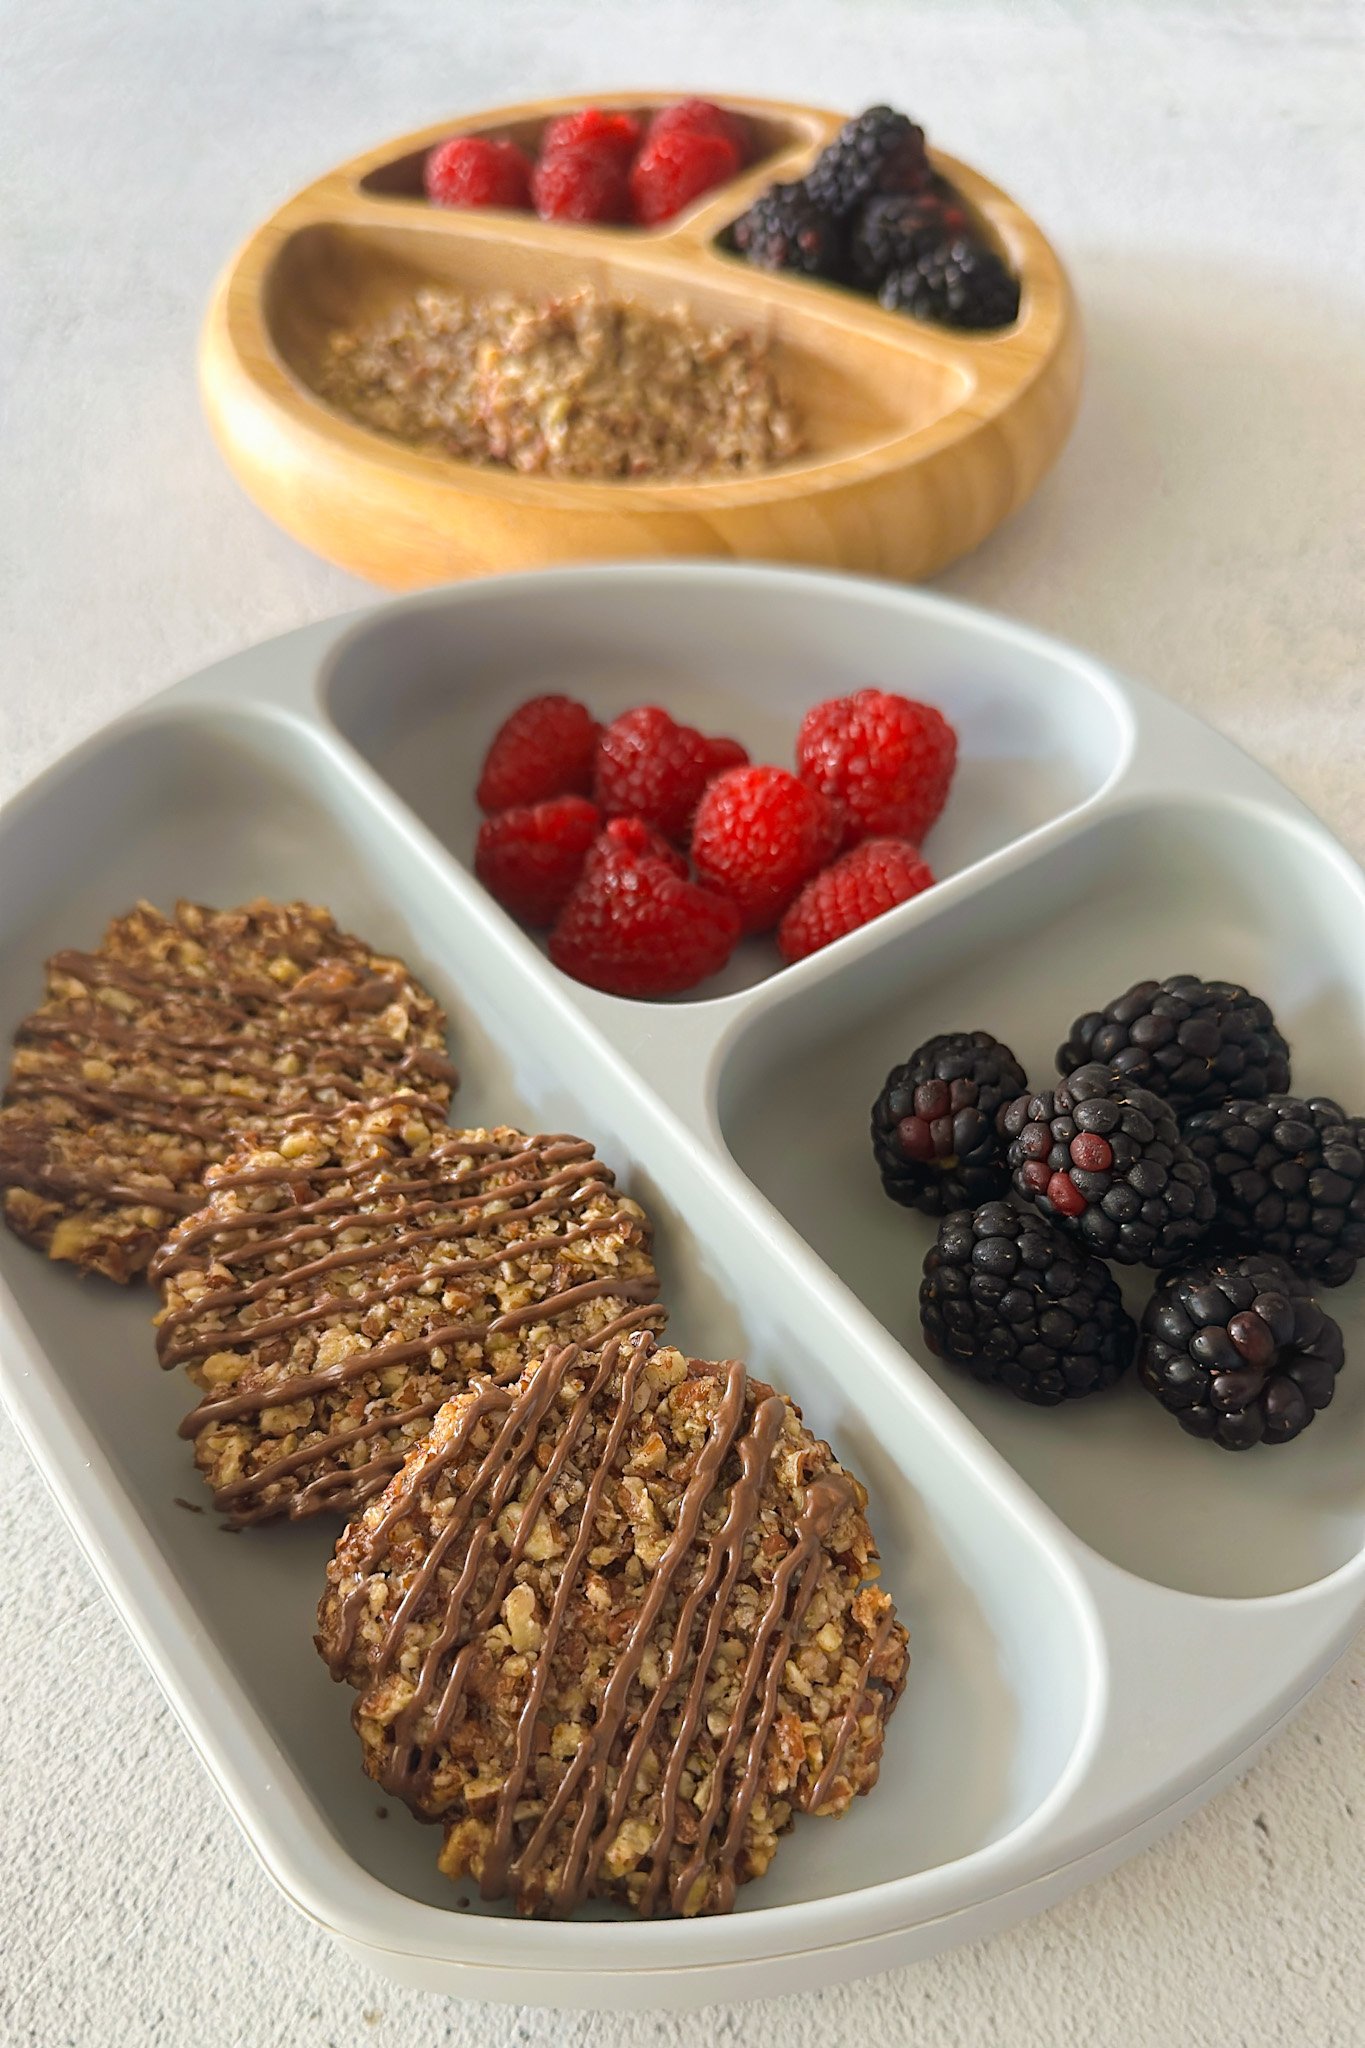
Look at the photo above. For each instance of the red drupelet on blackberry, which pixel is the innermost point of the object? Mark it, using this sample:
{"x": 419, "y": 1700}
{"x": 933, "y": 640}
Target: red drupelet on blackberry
{"x": 1013, "y": 1301}
{"x": 933, "y": 1125}
{"x": 1105, "y": 1159}
{"x": 1288, "y": 1178}
{"x": 1196, "y": 1042}
{"x": 1238, "y": 1350}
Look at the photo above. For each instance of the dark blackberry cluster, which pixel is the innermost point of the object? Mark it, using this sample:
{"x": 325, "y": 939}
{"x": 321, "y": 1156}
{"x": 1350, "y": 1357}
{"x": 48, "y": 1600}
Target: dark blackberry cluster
{"x": 878, "y": 151}
{"x": 785, "y": 230}
{"x": 958, "y": 283}
{"x": 1198, "y": 1043}
{"x": 1008, "y": 1297}
{"x": 1238, "y": 1350}
{"x": 874, "y": 214}
{"x": 1106, "y": 1160}
{"x": 934, "y": 1124}
{"x": 1171, "y": 1142}
{"x": 890, "y": 232}
{"x": 1289, "y": 1178}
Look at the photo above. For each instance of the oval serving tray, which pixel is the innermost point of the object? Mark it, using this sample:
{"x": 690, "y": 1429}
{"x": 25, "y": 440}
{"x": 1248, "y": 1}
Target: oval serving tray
{"x": 1107, "y": 1618}
{"x": 921, "y": 440}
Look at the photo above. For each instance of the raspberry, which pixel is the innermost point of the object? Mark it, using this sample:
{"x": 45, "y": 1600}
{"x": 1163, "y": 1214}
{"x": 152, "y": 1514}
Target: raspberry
{"x": 632, "y": 835}
{"x": 469, "y": 170}
{"x": 886, "y": 760}
{"x": 596, "y": 129}
{"x": 650, "y": 767}
{"x": 544, "y": 749}
{"x": 760, "y": 833}
{"x": 873, "y": 878}
{"x": 677, "y": 167}
{"x": 724, "y": 753}
{"x": 584, "y": 183}
{"x": 703, "y": 117}
{"x": 531, "y": 856}
{"x": 634, "y": 927}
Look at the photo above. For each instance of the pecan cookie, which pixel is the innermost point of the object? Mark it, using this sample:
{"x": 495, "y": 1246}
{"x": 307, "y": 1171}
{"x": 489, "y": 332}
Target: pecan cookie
{"x": 613, "y": 1627}
{"x": 178, "y": 1037}
{"x": 334, "y": 1292}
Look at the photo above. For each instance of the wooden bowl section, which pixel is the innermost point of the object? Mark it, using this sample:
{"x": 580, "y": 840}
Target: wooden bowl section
{"x": 918, "y": 440}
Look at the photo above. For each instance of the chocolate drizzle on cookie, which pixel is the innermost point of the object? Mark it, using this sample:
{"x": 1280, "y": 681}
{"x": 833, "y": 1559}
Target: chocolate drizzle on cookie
{"x": 151, "y": 1056}
{"x": 537, "y": 1199}
{"x": 678, "y": 1618}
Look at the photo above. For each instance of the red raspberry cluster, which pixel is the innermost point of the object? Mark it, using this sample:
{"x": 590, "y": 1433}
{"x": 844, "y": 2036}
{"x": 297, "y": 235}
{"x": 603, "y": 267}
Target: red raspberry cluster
{"x": 597, "y": 165}
{"x": 588, "y": 824}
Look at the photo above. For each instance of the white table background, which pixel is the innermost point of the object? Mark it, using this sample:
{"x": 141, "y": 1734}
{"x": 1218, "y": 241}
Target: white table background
{"x": 1201, "y": 171}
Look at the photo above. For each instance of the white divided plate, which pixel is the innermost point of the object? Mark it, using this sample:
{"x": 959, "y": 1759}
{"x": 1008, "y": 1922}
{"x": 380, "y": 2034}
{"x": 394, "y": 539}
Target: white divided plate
{"x": 1106, "y": 1617}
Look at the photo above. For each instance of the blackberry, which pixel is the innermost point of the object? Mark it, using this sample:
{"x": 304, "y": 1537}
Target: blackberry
{"x": 785, "y": 230}
{"x": 1106, "y": 1160}
{"x": 1196, "y": 1042}
{"x": 954, "y": 205}
{"x": 1288, "y": 1178}
{"x": 1239, "y": 1351}
{"x": 1006, "y": 1296}
{"x": 959, "y": 283}
{"x": 893, "y": 229}
{"x": 879, "y": 151}
{"x": 933, "y": 1125}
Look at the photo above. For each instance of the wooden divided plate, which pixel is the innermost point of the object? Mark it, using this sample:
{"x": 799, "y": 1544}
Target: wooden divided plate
{"x": 919, "y": 439}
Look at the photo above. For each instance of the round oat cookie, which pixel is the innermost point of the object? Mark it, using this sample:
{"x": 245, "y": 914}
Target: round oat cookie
{"x": 613, "y": 1627}
{"x": 178, "y": 1038}
{"x": 335, "y": 1291}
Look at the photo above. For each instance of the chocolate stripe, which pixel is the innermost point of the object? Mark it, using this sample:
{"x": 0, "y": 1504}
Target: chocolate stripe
{"x": 234, "y": 1334}
{"x": 224, "y": 1054}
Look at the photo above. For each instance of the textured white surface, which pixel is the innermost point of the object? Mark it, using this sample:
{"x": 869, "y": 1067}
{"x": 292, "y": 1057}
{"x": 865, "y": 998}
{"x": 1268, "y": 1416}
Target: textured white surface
{"x": 1200, "y": 171}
